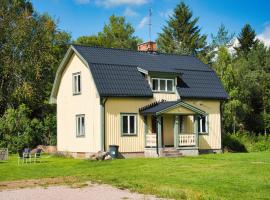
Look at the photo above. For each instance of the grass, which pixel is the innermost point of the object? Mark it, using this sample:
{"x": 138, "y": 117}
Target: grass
{"x": 223, "y": 176}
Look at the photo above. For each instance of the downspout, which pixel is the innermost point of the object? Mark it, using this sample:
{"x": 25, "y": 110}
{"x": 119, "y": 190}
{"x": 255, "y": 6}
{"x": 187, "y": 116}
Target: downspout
{"x": 103, "y": 123}
{"x": 221, "y": 125}
{"x": 157, "y": 147}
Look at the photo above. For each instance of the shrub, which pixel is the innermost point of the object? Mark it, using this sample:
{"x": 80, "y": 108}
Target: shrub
{"x": 18, "y": 130}
{"x": 246, "y": 142}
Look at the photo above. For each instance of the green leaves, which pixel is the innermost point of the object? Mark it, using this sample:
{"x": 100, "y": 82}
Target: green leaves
{"x": 117, "y": 34}
{"x": 181, "y": 35}
{"x": 246, "y": 40}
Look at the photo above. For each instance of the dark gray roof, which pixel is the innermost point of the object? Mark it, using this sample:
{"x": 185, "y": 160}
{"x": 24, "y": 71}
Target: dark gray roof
{"x": 158, "y": 107}
{"x": 119, "y": 80}
{"x": 119, "y": 67}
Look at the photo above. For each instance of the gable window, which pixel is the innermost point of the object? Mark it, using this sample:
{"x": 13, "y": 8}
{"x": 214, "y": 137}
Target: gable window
{"x": 203, "y": 124}
{"x": 76, "y": 82}
{"x": 128, "y": 124}
{"x": 162, "y": 85}
{"x": 80, "y": 125}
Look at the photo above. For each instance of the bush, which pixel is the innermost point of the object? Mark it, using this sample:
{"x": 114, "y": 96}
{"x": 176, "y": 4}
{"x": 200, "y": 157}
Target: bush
{"x": 246, "y": 142}
{"x": 18, "y": 130}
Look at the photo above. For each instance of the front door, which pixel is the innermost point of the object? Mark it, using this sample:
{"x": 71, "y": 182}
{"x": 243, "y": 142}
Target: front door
{"x": 168, "y": 132}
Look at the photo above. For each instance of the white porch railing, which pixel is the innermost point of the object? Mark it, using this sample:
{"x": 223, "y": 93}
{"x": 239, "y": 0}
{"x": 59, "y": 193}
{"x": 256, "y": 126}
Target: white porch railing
{"x": 151, "y": 140}
{"x": 187, "y": 139}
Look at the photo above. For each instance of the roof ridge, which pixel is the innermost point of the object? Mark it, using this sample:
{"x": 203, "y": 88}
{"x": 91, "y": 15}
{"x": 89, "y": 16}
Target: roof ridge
{"x": 98, "y": 63}
{"x": 135, "y": 51}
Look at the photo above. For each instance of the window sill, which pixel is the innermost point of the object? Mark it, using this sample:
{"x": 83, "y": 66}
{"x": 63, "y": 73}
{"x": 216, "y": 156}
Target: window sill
{"x": 80, "y": 136}
{"x": 128, "y": 135}
{"x": 206, "y": 133}
{"x": 163, "y": 92}
{"x": 74, "y": 94}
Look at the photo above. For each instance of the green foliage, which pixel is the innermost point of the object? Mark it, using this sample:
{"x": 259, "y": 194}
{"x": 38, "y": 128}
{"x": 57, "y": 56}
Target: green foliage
{"x": 181, "y": 35}
{"x": 31, "y": 49}
{"x": 246, "y": 142}
{"x": 18, "y": 130}
{"x": 116, "y": 34}
{"x": 246, "y": 40}
{"x": 223, "y": 37}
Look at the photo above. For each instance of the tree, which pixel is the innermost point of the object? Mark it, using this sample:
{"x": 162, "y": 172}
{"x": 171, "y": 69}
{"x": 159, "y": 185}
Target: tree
{"x": 223, "y": 37}
{"x": 181, "y": 35}
{"x": 246, "y": 40}
{"x": 31, "y": 50}
{"x": 116, "y": 34}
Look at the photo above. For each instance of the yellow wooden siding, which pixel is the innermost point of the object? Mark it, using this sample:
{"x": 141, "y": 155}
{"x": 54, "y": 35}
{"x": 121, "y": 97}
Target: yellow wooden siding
{"x": 113, "y": 108}
{"x": 69, "y": 105}
{"x": 180, "y": 110}
{"x": 213, "y": 139}
{"x": 165, "y": 96}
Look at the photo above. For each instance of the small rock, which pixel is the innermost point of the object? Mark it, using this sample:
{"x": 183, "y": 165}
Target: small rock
{"x": 108, "y": 157}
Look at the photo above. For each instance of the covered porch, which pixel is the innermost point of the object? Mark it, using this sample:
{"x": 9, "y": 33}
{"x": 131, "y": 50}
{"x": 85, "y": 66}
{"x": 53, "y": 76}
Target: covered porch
{"x": 171, "y": 128}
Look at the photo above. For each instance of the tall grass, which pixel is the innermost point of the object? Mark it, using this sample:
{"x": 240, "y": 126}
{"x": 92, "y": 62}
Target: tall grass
{"x": 246, "y": 142}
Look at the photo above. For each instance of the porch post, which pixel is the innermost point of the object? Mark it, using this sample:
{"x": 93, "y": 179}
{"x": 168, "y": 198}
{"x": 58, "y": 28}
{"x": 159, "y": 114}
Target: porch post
{"x": 145, "y": 130}
{"x": 196, "y": 118}
{"x": 176, "y": 131}
{"x": 159, "y": 136}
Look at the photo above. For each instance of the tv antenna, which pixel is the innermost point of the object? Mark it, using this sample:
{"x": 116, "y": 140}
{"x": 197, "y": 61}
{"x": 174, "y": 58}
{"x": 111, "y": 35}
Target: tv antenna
{"x": 150, "y": 24}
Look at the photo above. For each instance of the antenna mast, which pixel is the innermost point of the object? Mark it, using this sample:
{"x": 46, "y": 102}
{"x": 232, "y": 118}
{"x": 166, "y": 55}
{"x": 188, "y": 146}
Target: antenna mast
{"x": 150, "y": 24}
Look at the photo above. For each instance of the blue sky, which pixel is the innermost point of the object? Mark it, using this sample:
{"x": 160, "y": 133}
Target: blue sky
{"x": 86, "y": 17}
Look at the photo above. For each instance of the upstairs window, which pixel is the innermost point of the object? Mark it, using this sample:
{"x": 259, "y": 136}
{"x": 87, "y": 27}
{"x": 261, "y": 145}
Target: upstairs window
{"x": 162, "y": 85}
{"x": 76, "y": 79}
{"x": 203, "y": 124}
{"x": 128, "y": 124}
{"x": 80, "y": 125}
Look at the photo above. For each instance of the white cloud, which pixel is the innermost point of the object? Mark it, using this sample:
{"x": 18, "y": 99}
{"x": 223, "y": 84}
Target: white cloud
{"x": 114, "y": 3}
{"x": 166, "y": 14}
{"x": 143, "y": 22}
{"x": 82, "y": 1}
{"x": 129, "y": 12}
{"x": 265, "y": 36}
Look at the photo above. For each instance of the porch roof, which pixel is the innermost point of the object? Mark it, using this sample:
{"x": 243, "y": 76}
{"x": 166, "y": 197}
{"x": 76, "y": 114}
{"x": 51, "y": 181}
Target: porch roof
{"x": 170, "y": 107}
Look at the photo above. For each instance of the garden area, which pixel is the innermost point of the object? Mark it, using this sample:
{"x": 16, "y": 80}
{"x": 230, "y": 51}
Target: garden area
{"x": 221, "y": 176}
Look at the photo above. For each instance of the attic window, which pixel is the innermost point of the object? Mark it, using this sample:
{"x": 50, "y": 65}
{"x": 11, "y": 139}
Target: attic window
{"x": 162, "y": 85}
{"x": 76, "y": 82}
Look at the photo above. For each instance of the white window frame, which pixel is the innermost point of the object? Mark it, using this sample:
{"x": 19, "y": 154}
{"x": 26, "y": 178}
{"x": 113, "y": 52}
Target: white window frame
{"x": 166, "y": 84}
{"x": 200, "y": 121}
{"x": 122, "y": 115}
{"x": 80, "y": 128}
{"x": 76, "y": 83}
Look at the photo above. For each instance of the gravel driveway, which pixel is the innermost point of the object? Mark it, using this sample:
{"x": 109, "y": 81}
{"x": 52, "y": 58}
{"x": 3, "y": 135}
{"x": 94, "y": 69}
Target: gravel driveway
{"x": 92, "y": 191}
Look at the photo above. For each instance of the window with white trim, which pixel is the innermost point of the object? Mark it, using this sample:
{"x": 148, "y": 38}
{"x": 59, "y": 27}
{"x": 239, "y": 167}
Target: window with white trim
{"x": 76, "y": 83}
{"x": 80, "y": 125}
{"x": 162, "y": 85}
{"x": 203, "y": 124}
{"x": 128, "y": 124}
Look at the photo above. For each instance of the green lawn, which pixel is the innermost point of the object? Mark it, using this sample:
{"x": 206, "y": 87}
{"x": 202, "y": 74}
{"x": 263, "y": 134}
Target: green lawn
{"x": 223, "y": 176}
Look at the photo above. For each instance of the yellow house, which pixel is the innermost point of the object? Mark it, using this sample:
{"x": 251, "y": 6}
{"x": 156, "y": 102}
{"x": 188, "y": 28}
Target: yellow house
{"x": 145, "y": 102}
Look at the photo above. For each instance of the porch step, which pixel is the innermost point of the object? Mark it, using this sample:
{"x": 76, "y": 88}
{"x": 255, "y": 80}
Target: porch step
{"x": 171, "y": 152}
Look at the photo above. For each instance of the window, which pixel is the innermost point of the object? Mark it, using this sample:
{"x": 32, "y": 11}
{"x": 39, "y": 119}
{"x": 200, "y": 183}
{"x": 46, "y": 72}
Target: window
{"x": 162, "y": 85}
{"x": 76, "y": 83}
{"x": 128, "y": 124}
{"x": 203, "y": 124}
{"x": 80, "y": 125}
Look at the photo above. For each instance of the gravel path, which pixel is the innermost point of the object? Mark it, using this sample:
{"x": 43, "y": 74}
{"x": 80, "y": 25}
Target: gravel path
{"x": 90, "y": 192}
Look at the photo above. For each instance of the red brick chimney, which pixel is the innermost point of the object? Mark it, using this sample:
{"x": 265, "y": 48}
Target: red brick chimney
{"x": 148, "y": 46}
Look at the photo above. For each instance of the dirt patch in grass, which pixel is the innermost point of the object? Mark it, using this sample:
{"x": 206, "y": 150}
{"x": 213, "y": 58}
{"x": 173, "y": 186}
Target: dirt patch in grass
{"x": 44, "y": 182}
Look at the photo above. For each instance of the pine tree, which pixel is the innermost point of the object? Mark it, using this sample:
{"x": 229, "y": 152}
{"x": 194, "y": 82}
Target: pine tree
{"x": 223, "y": 37}
{"x": 246, "y": 40}
{"x": 181, "y": 35}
